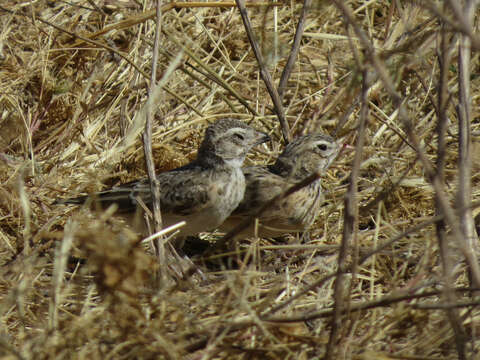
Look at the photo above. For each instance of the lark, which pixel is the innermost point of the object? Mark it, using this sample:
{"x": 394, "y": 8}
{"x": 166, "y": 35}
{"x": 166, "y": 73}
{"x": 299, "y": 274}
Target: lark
{"x": 301, "y": 158}
{"x": 203, "y": 193}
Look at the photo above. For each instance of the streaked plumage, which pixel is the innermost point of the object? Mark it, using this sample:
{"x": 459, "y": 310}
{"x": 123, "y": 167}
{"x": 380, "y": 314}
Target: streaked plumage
{"x": 203, "y": 192}
{"x": 297, "y": 212}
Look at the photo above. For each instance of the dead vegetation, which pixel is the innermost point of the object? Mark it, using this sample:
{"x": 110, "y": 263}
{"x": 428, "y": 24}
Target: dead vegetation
{"x": 391, "y": 275}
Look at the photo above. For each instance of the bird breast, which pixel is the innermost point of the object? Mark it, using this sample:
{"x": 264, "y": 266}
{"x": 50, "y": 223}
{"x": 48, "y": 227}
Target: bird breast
{"x": 229, "y": 193}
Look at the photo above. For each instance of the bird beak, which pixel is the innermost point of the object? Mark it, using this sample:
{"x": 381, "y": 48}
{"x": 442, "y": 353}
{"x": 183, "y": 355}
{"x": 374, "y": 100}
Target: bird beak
{"x": 263, "y": 137}
{"x": 347, "y": 147}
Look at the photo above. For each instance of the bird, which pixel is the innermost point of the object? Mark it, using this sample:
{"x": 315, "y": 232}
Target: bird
{"x": 202, "y": 193}
{"x": 306, "y": 155}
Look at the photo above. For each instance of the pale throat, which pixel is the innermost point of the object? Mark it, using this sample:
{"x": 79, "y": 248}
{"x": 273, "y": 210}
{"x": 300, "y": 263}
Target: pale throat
{"x": 234, "y": 162}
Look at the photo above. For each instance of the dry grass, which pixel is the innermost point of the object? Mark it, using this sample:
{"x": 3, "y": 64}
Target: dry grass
{"x": 77, "y": 284}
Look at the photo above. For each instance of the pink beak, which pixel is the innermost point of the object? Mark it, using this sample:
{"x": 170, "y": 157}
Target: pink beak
{"x": 346, "y": 147}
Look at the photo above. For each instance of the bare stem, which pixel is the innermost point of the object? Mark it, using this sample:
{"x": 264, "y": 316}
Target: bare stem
{"x": 295, "y": 48}
{"x": 350, "y": 226}
{"x": 264, "y": 73}
{"x": 398, "y": 101}
{"x": 247, "y": 222}
{"x": 441, "y": 228}
{"x": 147, "y": 141}
{"x": 464, "y": 195}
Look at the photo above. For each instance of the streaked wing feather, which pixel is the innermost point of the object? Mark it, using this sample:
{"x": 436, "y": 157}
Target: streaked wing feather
{"x": 186, "y": 194}
{"x": 262, "y": 186}
{"x": 182, "y": 192}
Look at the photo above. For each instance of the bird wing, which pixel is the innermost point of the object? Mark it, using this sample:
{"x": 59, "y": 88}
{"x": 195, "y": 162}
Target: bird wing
{"x": 183, "y": 191}
{"x": 188, "y": 193}
{"x": 261, "y": 187}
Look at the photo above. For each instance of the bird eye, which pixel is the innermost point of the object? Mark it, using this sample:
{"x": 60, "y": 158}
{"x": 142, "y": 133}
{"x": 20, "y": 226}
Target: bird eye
{"x": 322, "y": 147}
{"x": 239, "y": 136}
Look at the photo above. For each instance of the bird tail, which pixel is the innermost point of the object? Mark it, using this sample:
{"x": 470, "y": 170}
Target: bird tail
{"x": 120, "y": 196}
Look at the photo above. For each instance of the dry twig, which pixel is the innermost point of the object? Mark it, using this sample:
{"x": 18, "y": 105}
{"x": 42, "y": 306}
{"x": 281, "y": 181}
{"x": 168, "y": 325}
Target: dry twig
{"x": 265, "y": 74}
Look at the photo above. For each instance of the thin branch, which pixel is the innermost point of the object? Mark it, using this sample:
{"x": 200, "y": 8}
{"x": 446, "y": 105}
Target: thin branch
{"x": 383, "y": 301}
{"x": 464, "y": 194}
{"x": 362, "y": 260}
{"x": 458, "y": 24}
{"x": 398, "y": 101}
{"x": 247, "y": 222}
{"x": 147, "y": 135}
{"x": 441, "y": 229}
{"x": 264, "y": 73}
{"x": 295, "y": 48}
{"x": 84, "y": 39}
{"x": 147, "y": 144}
{"x": 388, "y": 190}
{"x": 350, "y": 226}
{"x": 96, "y": 7}
{"x": 150, "y": 14}
{"x": 212, "y": 75}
